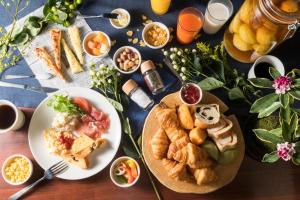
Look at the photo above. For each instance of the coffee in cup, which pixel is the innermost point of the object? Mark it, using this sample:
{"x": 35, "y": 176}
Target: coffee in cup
{"x": 11, "y": 118}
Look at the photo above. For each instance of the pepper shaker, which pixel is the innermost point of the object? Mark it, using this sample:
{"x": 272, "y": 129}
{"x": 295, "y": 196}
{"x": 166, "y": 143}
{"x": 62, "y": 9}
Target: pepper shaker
{"x": 137, "y": 94}
{"x": 152, "y": 77}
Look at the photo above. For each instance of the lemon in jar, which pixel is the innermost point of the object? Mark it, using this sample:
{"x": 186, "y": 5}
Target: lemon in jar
{"x": 235, "y": 24}
{"x": 246, "y": 34}
{"x": 246, "y": 12}
{"x": 264, "y": 36}
{"x": 289, "y": 6}
{"x": 261, "y": 48}
{"x": 240, "y": 44}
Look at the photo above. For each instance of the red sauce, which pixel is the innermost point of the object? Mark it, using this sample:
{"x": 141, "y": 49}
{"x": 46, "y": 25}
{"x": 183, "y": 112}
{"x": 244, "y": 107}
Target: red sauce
{"x": 67, "y": 141}
{"x": 190, "y": 94}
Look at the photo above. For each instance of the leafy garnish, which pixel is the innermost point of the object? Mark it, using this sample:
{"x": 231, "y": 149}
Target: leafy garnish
{"x": 64, "y": 104}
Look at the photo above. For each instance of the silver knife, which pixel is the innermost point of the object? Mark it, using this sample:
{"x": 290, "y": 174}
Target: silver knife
{"x": 28, "y": 87}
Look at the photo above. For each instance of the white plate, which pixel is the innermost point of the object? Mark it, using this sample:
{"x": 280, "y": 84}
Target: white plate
{"x": 100, "y": 158}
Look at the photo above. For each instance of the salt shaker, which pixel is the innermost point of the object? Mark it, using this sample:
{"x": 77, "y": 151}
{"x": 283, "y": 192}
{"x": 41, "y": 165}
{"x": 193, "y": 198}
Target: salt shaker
{"x": 137, "y": 94}
{"x": 152, "y": 77}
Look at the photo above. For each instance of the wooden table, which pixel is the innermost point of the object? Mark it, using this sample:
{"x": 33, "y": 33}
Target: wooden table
{"x": 280, "y": 181}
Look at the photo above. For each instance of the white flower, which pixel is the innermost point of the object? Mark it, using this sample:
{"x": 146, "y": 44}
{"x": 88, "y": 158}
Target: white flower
{"x": 92, "y": 73}
{"x": 184, "y": 78}
{"x": 102, "y": 66}
{"x": 181, "y": 74}
{"x": 194, "y": 50}
{"x": 183, "y": 60}
{"x": 172, "y": 56}
{"x": 186, "y": 50}
{"x": 175, "y": 49}
{"x": 175, "y": 67}
{"x": 179, "y": 53}
{"x": 171, "y": 49}
{"x": 183, "y": 69}
{"x": 109, "y": 81}
{"x": 174, "y": 62}
{"x": 166, "y": 53}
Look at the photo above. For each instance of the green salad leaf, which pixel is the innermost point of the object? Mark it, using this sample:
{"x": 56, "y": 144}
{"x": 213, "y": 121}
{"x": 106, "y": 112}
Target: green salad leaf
{"x": 64, "y": 104}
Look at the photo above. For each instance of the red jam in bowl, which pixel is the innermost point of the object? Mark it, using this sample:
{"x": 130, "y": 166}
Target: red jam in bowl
{"x": 190, "y": 94}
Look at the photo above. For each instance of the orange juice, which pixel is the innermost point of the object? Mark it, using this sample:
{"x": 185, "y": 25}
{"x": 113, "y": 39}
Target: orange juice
{"x": 189, "y": 24}
{"x": 160, "y": 7}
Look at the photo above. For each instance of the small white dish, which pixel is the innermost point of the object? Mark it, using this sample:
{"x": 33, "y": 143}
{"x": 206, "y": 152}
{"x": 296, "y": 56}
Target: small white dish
{"x": 197, "y": 87}
{"x": 19, "y": 119}
{"x": 120, "y": 11}
{"x": 117, "y": 53}
{"x": 114, "y": 165}
{"x": 92, "y": 34}
{"x": 272, "y": 60}
{"x": 161, "y": 25}
{"x": 8, "y": 160}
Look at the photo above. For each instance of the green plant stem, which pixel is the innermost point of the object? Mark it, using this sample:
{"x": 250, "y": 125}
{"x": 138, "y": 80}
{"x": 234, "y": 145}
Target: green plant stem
{"x": 15, "y": 16}
{"x": 143, "y": 161}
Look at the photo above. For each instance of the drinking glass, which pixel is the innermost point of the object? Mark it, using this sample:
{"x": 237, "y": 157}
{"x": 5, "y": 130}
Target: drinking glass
{"x": 216, "y": 15}
{"x": 190, "y": 22}
{"x": 160, "y": 7}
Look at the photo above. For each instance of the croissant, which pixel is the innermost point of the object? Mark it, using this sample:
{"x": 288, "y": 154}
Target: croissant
{"x": 174, "y": 169}
{"x": 205, "y": 175}
{"x": 159, "y": 144}
{"x": 181, "y": 155}
{"x": 166, "y": 117}
{"x": 197, "y": 157}
{"x": 185, "y": 118}
{"x": 177, "y": 146}
{"x": 175, "y": 134}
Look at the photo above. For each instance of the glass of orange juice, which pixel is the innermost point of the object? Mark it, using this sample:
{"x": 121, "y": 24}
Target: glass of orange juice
{"x": 190, "y": 22}
{"x": 160, "y": 7}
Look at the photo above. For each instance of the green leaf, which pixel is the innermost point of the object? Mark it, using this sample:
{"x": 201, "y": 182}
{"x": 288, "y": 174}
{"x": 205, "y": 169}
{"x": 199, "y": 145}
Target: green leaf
{"x": 284, "y": 100}
{"x": 197, "y": 64}
{"x": 20, "y": 39}
{"x": 267, "y": 136}
{"x": 297, "y": 132}
{"x": 285, "y": 114}
{"x": 277, "y": 132}
{"x": 274, "y": 72}
{"x": 62, "y": 16}
{"x": 261, "y": 82}
{"x": 295, "y": 94}
{"x": 286, "y": 133}
{"x": 270, "y": 157}
{"x": 297, "y": 146}
{"x": 296, "y": 82}
{"x": 64, "y": 104}
{"x": 263, "y": 103}
{"x": 294, "y": 123}
{"x": 33, "y": 25}
{"x": 269, "y": 110}
{"x": 116, "y": 104}
{"x": 236, "y": 93}
{"x": 296, "y": 158}
{"x": 210, "y": 83}
{"x": 126, "y": 126}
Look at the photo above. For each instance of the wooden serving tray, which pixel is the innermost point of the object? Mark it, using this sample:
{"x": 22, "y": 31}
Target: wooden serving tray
{"x": 226, "y": 173}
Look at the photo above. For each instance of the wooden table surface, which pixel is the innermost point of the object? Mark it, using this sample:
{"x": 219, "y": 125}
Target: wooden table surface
{"x": 280, "y": 181}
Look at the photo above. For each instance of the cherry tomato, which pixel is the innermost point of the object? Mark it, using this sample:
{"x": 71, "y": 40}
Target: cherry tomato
{"x": 83, "y": 104}
{"x": 91, "y": 44}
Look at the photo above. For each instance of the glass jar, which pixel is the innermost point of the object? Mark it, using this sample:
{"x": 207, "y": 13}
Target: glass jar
{"x": 152, "y": 77}
{"x": 160, "y": 7}
{"x": 260, "y": 26}
{"x": 137, "y": 94}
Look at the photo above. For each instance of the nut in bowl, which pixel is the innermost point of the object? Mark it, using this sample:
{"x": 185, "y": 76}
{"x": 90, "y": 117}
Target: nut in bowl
{"x": 124, "y": 172}
{"x": 127, "y": 59}
{"x": 123, "y": 19}
{"x": 190, "y": 94}
{"x": 97, "y": 44}
{"x": 156, "y": 35}
{"x": 17, "y": 169}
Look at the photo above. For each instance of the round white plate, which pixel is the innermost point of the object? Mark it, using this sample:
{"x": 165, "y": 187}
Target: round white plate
{"x": 99, "y": 159}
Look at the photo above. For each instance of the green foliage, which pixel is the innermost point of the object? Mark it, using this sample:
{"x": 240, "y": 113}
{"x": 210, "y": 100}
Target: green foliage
{"x": 263, "y": 103}
{"x": 210, "y": 83}
{"x": 64, "y": 104}
{"x": 270, "y": 157}
{"x": 261, "y": 82}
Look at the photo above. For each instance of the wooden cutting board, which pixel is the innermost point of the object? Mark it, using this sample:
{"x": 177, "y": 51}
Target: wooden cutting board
{"x": 226, "y": 173}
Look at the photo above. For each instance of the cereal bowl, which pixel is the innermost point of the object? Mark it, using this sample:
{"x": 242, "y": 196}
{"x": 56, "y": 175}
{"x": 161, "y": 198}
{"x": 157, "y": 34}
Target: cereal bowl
{"x": 121, "y": 22}
{"x": 127, "y": 59}
{"x": 17, "y": 169}
{"x": 116, "y": 164}
{"x": 152, "y": 34}
{"x": 94, "y": 42}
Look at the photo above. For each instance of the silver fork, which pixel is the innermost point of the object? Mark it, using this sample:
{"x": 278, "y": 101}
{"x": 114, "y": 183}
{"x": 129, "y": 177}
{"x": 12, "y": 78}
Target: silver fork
{"x": 48, "y": 175}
